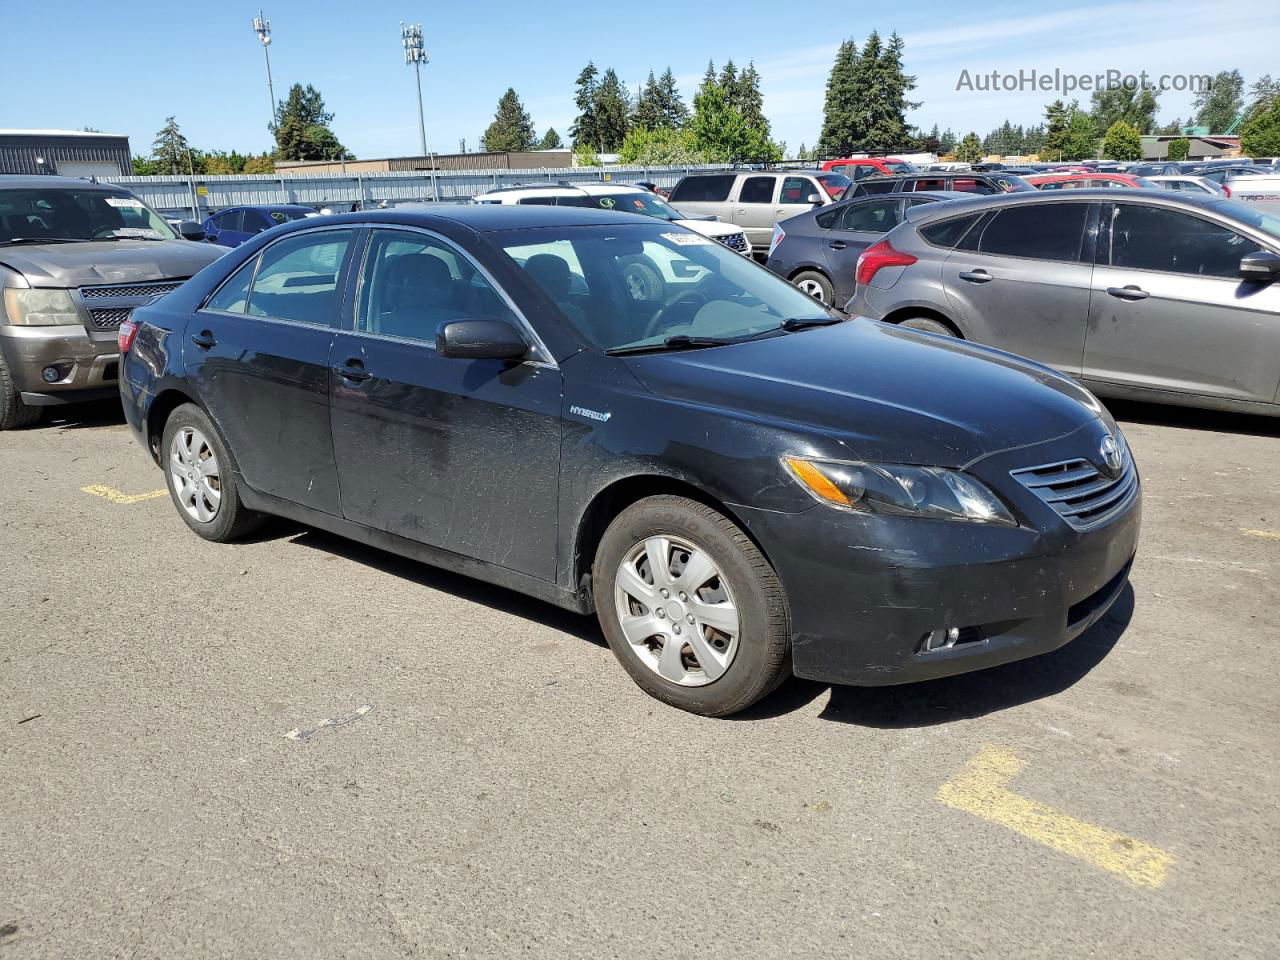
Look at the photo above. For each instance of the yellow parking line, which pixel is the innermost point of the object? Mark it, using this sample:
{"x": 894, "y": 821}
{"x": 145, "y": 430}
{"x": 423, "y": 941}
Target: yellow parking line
{"x": 115, "y": 496}
{"x": 982, "y": 790}
{"x": 1261, "y": 534}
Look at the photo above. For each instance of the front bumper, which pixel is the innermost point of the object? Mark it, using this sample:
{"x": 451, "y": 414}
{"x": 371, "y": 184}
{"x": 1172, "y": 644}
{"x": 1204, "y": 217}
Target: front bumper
{"x": 865, "y": 591}
{"x": 89, "y": 364}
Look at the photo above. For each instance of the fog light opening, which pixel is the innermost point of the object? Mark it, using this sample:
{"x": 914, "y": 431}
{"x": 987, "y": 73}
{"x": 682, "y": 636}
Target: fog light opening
{"x": 52, "y": 374}
{"x": 947, "y": 638}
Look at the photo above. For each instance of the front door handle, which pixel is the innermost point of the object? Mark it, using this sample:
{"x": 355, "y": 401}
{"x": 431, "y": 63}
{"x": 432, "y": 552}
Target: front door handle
{"x": 1131, "y": 292}
{"x": 977, "y": 276}
{"x": 204, "y": 340}
{"x": 353, "y": 370}
{"x": 837, "y": 245}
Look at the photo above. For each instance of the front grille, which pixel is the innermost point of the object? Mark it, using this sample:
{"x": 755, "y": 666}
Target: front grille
{"x": 131, "y": 289}
{"x": 1081, "y": 493}
{"x": 734, "y": 241}
{"x": 109, "y": 318}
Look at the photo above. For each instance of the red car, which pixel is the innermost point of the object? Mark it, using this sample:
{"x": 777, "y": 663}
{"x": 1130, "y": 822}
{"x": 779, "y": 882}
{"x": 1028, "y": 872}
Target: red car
{"x": 1067, "y": 181}
{"x": 856, "y": 168}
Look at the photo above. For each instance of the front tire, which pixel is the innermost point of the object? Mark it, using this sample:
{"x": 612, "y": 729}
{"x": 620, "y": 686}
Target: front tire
{"x": 201, "y": 477}
{"x": 690, "y": 606}
{"x": 13, "y": 412}
{"x": 815, "y": 285}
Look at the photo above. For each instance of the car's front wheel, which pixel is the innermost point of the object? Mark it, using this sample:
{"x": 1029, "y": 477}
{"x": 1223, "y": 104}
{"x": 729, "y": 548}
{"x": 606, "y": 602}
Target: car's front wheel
{"x": 13, "y": 412}
{"x": 691, "y": 608}
{"x": 201, "y": 477}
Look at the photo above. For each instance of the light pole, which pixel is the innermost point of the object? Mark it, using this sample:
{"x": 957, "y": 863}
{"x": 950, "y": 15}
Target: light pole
{"x": 262, "y": 27}
{"x": 416, "y": 55}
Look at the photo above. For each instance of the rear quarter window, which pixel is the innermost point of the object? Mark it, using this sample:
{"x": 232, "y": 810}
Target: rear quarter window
{"x": 949, "y": 233}
{"x": 713, "y": 189}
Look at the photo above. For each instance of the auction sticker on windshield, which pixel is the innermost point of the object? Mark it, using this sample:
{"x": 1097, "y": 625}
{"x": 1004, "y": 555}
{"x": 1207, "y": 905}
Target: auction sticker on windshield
{"x": 123, "y": 202}
{"x": 687, "y": 239}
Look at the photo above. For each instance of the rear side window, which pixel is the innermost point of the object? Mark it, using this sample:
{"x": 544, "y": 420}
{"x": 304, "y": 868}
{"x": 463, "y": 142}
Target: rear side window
{"x": 827, "y": 218}
{"x": 874, "y": 216}
{"x": 537, "y": 201}
{"x": 231, "y": 220}
{"x": 713, "y": 189}
{"x": 757, "y": 190}
{"x": 1040, "y": 231}
{"x": 233, "y": 295}
{"x": 1153, "y": 238}
{"x": 947, "y": 233}
{"x": 298, "y": 278}
{"x": 971, "y": 185}
{"x": 875, "y": 186}
{"x": 932, "y": 183}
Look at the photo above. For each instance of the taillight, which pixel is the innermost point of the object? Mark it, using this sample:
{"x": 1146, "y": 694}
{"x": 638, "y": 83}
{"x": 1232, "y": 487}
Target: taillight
{"x": 777, "y": 238}
{"x": 128, "y": 330}
{"x": 878, "y": 256}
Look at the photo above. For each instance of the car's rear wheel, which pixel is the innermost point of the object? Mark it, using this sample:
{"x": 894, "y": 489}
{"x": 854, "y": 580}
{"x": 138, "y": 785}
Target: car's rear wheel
{"x": 815, "y": 285}
{"x": 691, "y": 608}
{"x": 13, "y": 412}
{"x": 201, "y": 477}
{"x": 928, "y": 325}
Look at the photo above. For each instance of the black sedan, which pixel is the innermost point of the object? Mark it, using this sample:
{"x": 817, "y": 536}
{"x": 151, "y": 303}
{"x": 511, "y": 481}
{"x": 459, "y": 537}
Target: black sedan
{"x": 737, "y": 481}
{"x": 818, "y": 251}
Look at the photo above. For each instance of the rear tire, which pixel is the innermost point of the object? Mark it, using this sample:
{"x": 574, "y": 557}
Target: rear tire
{"x": 706, "y": 628}
{"x": 13, "y": 412}
{"x": 815, "y": 285}
{"x": 201, "y": 477}
{"x": 928, "y": 325}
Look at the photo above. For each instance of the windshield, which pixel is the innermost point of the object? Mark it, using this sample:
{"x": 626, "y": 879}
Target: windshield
{"x": 631, "y": 286}
{"x": 284, "y": 216}
{"x": 835, "y": 184}
{"x": 59, "y": 214}
{"x": 645, "y": 203}
{"x": 1266, "y": 222}
{"x": 900, "y": 166}
{"x": 1010, "y": 183}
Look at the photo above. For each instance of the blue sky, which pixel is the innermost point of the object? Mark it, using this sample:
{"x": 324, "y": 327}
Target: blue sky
{"x": 127, "y": 65}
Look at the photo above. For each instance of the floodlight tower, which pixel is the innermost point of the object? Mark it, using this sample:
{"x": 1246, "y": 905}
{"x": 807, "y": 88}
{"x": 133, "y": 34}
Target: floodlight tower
{"x": 415, "y": 54}
{"x": 262, "y": 27}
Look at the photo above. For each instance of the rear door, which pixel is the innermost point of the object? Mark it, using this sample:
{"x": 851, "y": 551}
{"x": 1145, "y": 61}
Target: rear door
{"x": 459, "y": 454}
{"x": 1021, "y": 283}
{"x": 859, "y": 225}
{"x": 1170, "y": 312}
{"x": 703, "y": 195}
{"x": 257, "y": 354}
{"x": 755, "y": 207}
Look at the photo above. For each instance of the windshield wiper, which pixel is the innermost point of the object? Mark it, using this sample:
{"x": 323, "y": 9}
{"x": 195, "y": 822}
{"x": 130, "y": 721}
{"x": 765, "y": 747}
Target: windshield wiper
{"x": 114, "y": 237}
{"x": 678, "y": 342}
{"x": 803, "y": 323}
{"x": 16, "y": 240}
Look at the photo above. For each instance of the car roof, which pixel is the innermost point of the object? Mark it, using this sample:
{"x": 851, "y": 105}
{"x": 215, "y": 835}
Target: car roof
{"x": 565, "y": 189}
{"x": 26, "y": 181}
{"x": 483, "y": 218}
{"x": 974, "y": 203}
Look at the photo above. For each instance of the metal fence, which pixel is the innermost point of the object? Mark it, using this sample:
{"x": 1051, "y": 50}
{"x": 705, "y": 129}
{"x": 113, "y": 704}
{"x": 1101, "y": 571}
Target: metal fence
{"x": 197, "y": 197}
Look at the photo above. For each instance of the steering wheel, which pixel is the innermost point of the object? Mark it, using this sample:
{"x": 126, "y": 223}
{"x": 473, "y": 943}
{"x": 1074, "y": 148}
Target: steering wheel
{"x": 696, "y": 298}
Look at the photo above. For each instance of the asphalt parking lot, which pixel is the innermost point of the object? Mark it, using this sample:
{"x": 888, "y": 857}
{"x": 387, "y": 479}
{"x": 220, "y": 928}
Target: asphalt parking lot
{"x": 169, "y": 785}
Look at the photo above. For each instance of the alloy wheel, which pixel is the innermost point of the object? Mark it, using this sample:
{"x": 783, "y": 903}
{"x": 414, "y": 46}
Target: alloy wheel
{"x": 677, "y": 611}
{"x": 813, "y": 288}
{"x": 195, "y": 474}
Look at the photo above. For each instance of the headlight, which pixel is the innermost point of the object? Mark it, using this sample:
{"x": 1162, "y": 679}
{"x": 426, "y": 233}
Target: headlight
{"x": 899, "y": 490}
{"x": 40, "y": 308}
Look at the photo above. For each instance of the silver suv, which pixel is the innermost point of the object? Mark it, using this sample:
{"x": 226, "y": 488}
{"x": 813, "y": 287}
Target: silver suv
{"x": 757, "y": 199}
{"x": 1138, "y": 293}
{"x": 75, "y": 258}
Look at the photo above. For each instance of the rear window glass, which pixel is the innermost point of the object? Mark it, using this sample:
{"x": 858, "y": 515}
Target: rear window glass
{"x": 835, "y": 184}
{"x": 711, "y": 189}
{"x": 757, "y": 190}
{"x": 875, "y": 186}
{"x": 947, "y": 233}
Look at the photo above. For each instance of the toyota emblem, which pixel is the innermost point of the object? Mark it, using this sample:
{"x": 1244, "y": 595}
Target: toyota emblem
{"x": 1110, "y": 451}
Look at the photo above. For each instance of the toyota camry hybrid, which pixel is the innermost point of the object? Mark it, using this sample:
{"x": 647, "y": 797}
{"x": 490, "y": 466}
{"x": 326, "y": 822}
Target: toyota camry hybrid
{"x": 740, "y": 483}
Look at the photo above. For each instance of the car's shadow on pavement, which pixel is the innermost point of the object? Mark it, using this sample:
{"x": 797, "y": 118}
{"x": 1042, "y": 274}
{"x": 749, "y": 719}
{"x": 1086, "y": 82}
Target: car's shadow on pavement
{"x": 1192, "y": 418}
{"x": 961, "y": 697}
{"x": 81, "y": 416}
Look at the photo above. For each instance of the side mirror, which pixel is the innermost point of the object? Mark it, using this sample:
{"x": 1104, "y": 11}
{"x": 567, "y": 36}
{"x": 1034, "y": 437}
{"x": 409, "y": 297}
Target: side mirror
{"x": 190, "y": 230}
{"x": 1261, "y": 266}
{"x": 480, "y": 340}
{"x": 814, "y": 199}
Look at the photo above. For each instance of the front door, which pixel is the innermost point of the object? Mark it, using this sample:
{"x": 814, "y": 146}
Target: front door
{"x": 258, "y": 357}
{"x": 459, "y": 454}
{"x": 1022, "y": 284}
{"x": 753, "y": 209}
{"x": 1170, "y": 312}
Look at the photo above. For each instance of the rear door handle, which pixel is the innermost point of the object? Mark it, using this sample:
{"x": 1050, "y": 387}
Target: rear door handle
{"x": 204, "y": 340}
{"x": 837, "y": 245}
{"x": 977, "y": 276}
{"x": 353, "y": 370}
{"x": 1131, "y": 292}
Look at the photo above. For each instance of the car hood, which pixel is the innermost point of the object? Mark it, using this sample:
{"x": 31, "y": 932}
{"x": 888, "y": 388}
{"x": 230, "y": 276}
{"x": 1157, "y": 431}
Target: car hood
{"x": 886, "y": 393}
{"x": 709, "y": 228}
{"x": 108, "y": 261}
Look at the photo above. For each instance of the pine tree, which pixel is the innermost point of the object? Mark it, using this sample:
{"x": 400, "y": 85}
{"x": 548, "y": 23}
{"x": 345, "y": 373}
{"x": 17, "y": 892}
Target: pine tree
{"x": 721, "y": 134}
{"x": 170, "y": 150}
{"x": 550, "y": 140}
{"x": 840, "y": 113}
{"x": 1260, "y": 134}
{"x": 1261, "y": 94}
{"x": 970, "y": 149}
{"x": 302, "y": 129}
{"x": 947, "y": 142}
{"x": 648, "y": 114}
{"x": 1081, "y": 139}
{"x": 1218, "y": 106}
{"x": 1057, "y": 117}
{"x": 674, "y": 112}
{"x": 749, "y": 100}
{"x": 887, "y": 95}
{"x": 1133, "y": 106}
{"x": 585, "y": 129}
{"x": 729, "y": 83}
{"x": 612, "y": 107}
{"x": 512, "y": 128}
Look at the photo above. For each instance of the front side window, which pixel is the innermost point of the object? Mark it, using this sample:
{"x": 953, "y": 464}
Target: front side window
{"x": 708, "y": 189}
{"x": 636, "y": 285}
{"x": 928, "y": 183}
{"x": 1154, "y": 238}
{"x": 412, "y": 283}
{"x": 797, "y": 190}
{"x": 971, "y": 185}
{"x": 1040, "y": 231}
{"x": 757, "y": 190}
{"x": 298, "y": 277}
{"x": 47, "y": 214}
